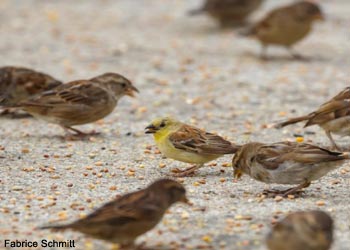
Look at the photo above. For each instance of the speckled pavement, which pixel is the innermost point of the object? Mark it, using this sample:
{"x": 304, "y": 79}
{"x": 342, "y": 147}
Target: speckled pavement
{"x": 184, "y": 67}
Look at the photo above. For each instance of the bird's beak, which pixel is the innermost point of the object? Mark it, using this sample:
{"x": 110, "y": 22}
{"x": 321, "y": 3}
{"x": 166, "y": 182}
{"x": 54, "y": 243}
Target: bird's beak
{"x": 131, "y": 91}
{"x": 186, "y": 201}
{"x": 237, "y": 174}
{"x": 319, "y": 17}
{"x": 150, "y": 129}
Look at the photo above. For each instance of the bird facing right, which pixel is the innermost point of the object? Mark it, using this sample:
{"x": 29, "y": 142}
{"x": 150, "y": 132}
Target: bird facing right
{"x": 289, "y": 163}
{"x": 286, "y": 26}
{"x": 311, "y": 230}
{"x": 79, "y": 102}
{"x": 122, "y": 220}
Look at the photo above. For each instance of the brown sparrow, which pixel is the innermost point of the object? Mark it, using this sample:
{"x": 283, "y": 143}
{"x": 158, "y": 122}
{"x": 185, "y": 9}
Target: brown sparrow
{"x": 286, "y": 163}
{"x": 228, "y": 12}
{"x": 122, "y": 220}
{"x": 18, "y": 84}
{"x": 286, "y": 26}
{"x": 79, "y": 102}
{"x": 312, "y": 230}
{"x": 333, "y": 116}
{"x": 188, "y": 144}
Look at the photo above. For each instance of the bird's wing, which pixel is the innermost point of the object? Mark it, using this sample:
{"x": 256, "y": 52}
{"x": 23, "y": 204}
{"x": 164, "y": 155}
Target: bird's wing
{"x": 331, "y": 110}
{"x": 131, "y": 207}
{"x": 81, "y": 92}
{"x": 194, "y": 140}
{"x": 272, "y": 155}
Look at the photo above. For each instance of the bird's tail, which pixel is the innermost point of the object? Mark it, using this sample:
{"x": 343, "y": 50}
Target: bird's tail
{"x": 292, "y": 121}
{"x": 55, "y": 228}
{"x": 195, "y": 12}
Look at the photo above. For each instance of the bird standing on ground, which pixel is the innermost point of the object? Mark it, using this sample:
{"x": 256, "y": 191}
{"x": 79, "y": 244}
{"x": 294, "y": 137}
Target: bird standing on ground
{"x": 286, "y": 163}
{"x": 188, "y": 144}
{"x": 228, "y": 12}
{"x": 18, "y": 84}
{"x": 121, "y": 221}
{"x": 286, "y": 26}
{"x": 333, "y": 116}
{"x": 79, "y": 102}
{"x": 312, "y": 230}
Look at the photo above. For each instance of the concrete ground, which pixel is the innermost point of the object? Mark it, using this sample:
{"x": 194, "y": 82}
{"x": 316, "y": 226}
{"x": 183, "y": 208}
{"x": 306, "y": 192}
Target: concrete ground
{"x": 184, "y": 67}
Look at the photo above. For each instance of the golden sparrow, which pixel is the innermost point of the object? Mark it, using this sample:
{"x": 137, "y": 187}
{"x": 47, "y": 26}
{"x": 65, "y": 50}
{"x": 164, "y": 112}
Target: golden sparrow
{"x": 188, "y": 144}
{"x": 228, "y": 12}
{"x": 122, "y": 220}
{"x": 79, "y": 102}
{"x": 312, "y": 230}
{"x": 18, "y": 84}
{"x": 333, "y": 116}
{"x": 286, "y": 26}
{"x": 286, "y": 163}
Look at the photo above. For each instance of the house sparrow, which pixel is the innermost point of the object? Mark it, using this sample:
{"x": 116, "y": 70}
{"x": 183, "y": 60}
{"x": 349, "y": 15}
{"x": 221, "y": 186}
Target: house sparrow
{"x": 286, "y": 26}
{"x": 185, "y": 143}
{"x": 312, "y": 230}
{"x": 122, "y": 220}
{"x": 18, "y": 84}
{"x": 79, "y": 102}
{"x": 228, "y": 12}
{"x": 286, "y": 163}
{"x": 333, "y": 116}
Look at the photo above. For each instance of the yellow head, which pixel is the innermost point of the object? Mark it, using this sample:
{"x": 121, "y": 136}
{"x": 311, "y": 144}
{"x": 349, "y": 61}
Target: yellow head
{"x": 162, "y": 126}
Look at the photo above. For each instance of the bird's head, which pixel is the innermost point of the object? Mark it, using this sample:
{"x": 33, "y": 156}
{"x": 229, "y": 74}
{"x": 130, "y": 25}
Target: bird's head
{"x": 309, "y": 11}
{"x": 172, "y": 190}
{"x": 160, "y": 125}
{"x": 117, "y": 83}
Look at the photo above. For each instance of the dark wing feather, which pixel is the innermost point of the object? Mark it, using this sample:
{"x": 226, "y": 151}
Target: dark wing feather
{"x": 194, "y": 140}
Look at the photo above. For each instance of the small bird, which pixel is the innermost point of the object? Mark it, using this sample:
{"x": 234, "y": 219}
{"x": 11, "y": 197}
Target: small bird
{"x": 333, "y": 116}
{"x": 311, "y": 230}
{"x": 228, "y": 12}
{"x": 286, "y": 163}
{"x": 79, "y": 102}
{"x": 286, "y": 26}
{"x": 18, "y": 84}
{"x": 122, "y": 220}
{"x": 188, "y": 144}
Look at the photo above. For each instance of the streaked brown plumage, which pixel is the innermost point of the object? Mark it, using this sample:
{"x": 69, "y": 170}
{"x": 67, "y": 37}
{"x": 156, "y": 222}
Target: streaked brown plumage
{"x": 286, "y": 163}
{"x": 122, "y": 220}
{"x": 333, "y": 116}
{"x": 228, "y": 12}
{"x": 189, "y": 144}
{"x": 18, "y": 84}
{"x": 311, "y": 230}
{"x": 79, "y": 102}
{"x": 286, "y": 26}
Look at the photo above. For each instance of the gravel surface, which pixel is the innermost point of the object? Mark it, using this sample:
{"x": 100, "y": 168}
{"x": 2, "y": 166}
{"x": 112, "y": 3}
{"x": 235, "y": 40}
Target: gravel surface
{"x": 184, "y": 67}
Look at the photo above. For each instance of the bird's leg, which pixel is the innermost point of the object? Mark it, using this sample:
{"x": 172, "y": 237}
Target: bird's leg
{"x": 296, "y": 55}
{"x": 187, "y": 171}
{"x": 329, "y": 135}
{"x": 78, "y": 133}
{"x": 284, "y": 193}
{"x": 263, "y": 52}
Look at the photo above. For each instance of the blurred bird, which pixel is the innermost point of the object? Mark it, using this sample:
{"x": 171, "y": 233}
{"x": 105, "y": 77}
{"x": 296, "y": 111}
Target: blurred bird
{"x": 228, "y": 12}
{"x": 79, "y": 102}
{"x": 18, "y": 84}
{"x": 286, "y": 26}
{"x": 185, "y": 143}
{"x": 122, "y": 220}
{"x": 286, "y": 163}
{"x": 333, "y": 116}
{"x": 312, "y": 230}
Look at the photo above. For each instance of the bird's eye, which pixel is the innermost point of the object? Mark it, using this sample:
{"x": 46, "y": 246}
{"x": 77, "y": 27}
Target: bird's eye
{"x": 162, "y": 125}
{"x": 123, "y": 85}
